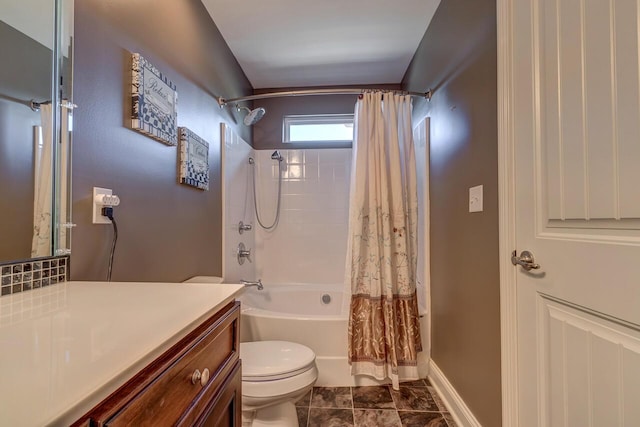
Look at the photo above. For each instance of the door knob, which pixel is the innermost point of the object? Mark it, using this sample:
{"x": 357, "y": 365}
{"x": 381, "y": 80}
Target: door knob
{"x": 525, "y": 260}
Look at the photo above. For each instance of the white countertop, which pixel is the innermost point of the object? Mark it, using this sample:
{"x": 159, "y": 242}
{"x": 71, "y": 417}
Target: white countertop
{"x": 66, "y": 347}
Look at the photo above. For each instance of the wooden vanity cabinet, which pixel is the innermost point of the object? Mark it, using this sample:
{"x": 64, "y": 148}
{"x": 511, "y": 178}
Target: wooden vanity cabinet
{"x": 197, "y": 382}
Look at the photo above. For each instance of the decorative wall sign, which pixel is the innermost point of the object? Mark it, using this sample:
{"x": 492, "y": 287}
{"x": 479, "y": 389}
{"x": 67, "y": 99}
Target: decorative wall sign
{"x": 194, "y": 159}
{"x": 154, "y": 102}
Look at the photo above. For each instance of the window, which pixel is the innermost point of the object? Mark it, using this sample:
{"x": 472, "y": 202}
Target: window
{"x": 323, "y": 128}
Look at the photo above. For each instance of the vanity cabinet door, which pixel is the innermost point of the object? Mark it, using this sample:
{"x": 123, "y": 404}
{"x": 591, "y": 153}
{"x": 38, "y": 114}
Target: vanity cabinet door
{"x": 226, "y": 410}
{"x": 184, "y": 383}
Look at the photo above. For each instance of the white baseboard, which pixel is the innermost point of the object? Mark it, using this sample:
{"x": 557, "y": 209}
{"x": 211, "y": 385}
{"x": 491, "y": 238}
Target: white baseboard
{"x": 461, "y": 414}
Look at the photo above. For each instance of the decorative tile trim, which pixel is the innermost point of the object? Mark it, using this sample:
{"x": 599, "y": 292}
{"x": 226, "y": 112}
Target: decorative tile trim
{"x": 20, "y": 276}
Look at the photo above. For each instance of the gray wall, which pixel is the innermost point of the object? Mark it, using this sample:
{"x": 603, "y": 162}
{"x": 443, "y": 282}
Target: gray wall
{"x": 168, "y": 231}
{"x": 457, "y": 57}
{"x": 267, "y": 133}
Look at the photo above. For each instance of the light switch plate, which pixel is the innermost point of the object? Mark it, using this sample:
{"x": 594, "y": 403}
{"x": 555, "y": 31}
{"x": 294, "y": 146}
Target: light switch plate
{"x": 475, "y": 199}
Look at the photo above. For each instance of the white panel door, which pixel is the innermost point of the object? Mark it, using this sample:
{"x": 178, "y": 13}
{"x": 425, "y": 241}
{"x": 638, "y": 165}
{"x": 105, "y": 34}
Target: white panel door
{"x": 576, "y": 93}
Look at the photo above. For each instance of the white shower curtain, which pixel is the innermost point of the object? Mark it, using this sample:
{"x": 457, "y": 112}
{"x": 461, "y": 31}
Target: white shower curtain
{"x": 43, "y": 184}
{"x": 384, "y": 328}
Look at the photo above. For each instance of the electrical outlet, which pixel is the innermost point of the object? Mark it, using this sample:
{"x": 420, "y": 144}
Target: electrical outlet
{"x": 103, "y": 197}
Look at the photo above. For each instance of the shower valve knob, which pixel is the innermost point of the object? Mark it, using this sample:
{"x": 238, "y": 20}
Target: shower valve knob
{"x": 242, "y": 227}
{"x": 243, "y": 253}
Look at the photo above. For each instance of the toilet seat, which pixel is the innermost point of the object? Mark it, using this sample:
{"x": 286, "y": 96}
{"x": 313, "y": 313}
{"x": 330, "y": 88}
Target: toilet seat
{"x": 274, "y": 360}
{"x": 254, "y": 393}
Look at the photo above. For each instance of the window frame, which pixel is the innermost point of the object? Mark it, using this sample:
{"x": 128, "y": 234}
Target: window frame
{"x": 315, "y": 119}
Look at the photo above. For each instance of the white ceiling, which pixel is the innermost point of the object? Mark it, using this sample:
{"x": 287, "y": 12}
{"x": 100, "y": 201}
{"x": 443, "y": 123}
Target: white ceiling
{"x": 23, "y": 17}
{"x": 35, "y": 19}
{"x": 301, "y": 43}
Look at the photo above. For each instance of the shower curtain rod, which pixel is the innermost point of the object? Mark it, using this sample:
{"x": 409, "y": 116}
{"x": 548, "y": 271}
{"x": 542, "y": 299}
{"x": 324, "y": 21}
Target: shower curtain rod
{"x": 34, "y": 105}
{"x": 309, "y": 92}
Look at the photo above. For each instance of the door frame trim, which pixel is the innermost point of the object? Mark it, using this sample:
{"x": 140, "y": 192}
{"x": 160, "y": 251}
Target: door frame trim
{"x": 507, "y": 210}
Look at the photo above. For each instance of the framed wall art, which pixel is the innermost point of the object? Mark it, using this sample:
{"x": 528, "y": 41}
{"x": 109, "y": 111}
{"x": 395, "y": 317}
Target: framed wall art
{"x": 194, "y": 159}
{"x": 154, "y": 102}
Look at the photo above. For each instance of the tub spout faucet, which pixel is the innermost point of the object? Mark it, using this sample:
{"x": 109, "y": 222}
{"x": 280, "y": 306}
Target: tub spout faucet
{"x": 257, "y": 284}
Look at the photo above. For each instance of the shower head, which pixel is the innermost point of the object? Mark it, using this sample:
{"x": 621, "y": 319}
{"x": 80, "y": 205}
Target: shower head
{"x": 277, "y": 156}
{"x": 253, "y": 116}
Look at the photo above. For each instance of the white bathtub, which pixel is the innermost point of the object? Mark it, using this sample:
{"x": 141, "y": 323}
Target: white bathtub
{"x": 297, "y": 313}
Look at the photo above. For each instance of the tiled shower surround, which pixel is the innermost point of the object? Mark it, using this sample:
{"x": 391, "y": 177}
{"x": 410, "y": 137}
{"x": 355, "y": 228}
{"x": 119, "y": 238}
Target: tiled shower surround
{"x": 238, "y": 205}
{"x": 309, "y": 244}
{"x": 23, "y": 276}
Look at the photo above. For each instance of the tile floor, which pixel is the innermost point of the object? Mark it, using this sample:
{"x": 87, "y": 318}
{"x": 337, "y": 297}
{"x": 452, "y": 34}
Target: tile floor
{"x": 416, "y": 404}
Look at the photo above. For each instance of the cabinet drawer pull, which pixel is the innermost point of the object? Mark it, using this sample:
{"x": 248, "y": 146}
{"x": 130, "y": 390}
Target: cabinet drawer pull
{"x": 195, "y": 377}
{"x": 204, "y": 379}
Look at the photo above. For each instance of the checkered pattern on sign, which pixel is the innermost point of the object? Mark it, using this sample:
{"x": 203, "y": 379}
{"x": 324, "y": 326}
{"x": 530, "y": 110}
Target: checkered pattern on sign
{"x": 146, "y": 117}
{"x": 190, "y": 174}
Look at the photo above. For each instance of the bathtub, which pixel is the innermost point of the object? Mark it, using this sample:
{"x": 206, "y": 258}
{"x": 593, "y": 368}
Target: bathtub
{"x": 297, "y": 313}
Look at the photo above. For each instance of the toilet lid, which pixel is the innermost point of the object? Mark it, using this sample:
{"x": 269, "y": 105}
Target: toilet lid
{"x": 269, "y": 360}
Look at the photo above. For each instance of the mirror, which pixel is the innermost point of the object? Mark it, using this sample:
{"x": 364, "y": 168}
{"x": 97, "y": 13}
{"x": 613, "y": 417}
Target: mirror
{"x": 36, "y": 46}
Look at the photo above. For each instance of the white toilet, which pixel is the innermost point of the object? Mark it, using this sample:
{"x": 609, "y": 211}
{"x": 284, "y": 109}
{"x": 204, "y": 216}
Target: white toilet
{"x": 275, "y": 374}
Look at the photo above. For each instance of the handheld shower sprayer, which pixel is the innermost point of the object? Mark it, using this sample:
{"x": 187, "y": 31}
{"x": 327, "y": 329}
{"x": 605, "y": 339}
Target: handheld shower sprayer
{"x": 277, "y": 156}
